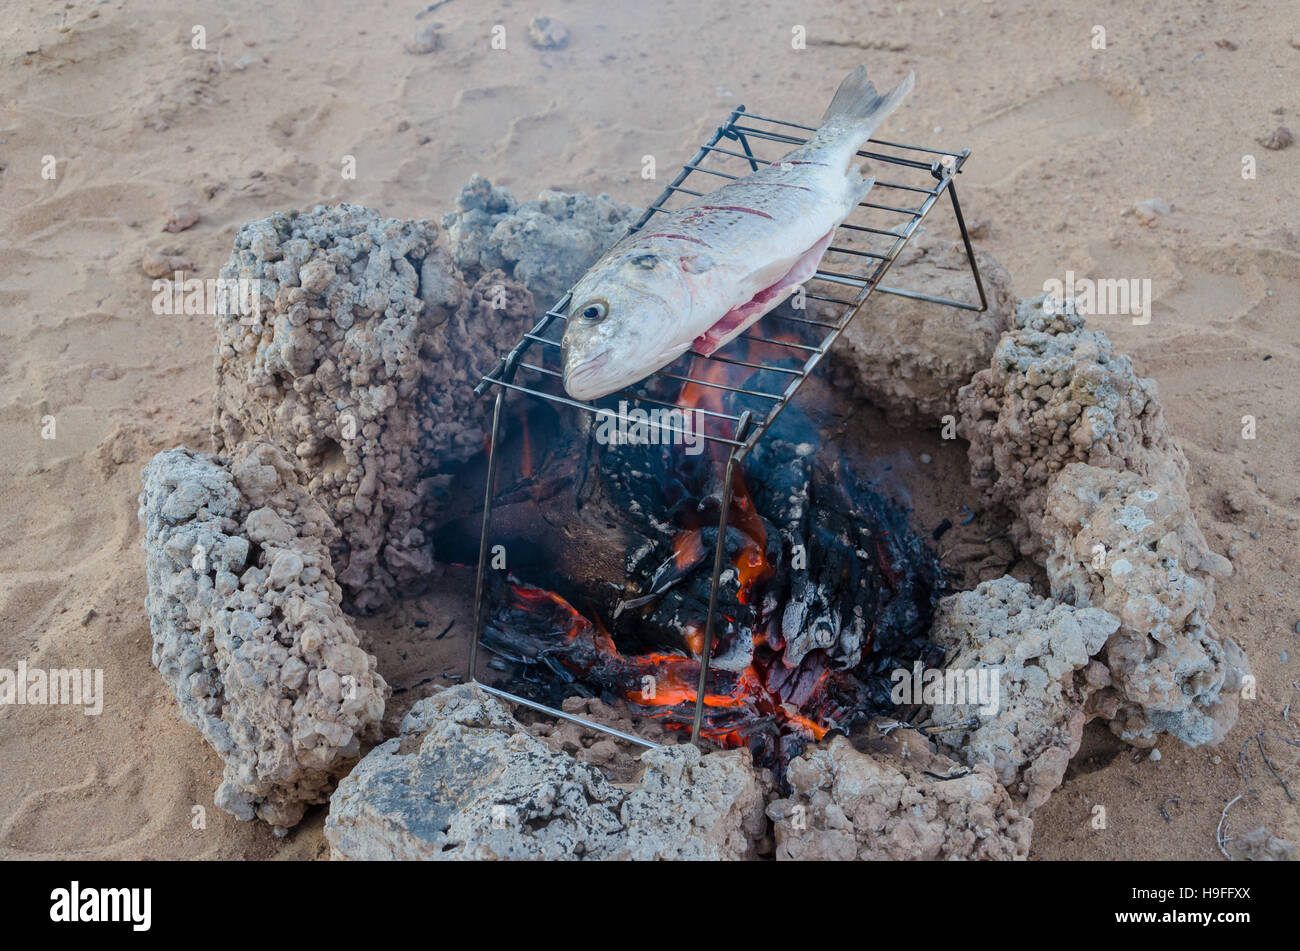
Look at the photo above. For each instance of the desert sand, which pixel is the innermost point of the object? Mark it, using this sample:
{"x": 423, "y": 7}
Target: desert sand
{"x": 1065, "y": 139}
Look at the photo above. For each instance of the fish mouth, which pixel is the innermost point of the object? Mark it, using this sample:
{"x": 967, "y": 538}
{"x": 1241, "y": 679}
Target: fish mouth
{"x": 588, "y": 381}
{"x": 581, "y": 381}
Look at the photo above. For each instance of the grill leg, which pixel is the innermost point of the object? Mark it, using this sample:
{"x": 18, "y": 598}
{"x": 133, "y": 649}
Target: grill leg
{"x": 719, "y": 551}
{"x": 483, "y": 540}
{"x": 970, "y": 251}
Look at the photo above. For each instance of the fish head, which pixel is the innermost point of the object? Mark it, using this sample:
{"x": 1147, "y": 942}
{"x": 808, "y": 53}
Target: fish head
{"x": 624, "y": 322}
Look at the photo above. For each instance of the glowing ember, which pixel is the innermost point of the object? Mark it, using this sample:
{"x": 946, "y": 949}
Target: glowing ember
{"x": 827, "y": 590}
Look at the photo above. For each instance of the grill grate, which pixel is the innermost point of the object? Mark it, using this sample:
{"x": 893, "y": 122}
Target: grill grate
{"x": 875, "y": 233}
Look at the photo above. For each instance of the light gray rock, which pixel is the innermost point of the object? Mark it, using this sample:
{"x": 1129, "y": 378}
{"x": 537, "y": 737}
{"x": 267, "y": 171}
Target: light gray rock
{"x": 1131, "y": 545}
{"x": 359, "y": 364}
{"x": 547, "y": 34}
{"x": 890, "y": 800}
{"x": 1057, "y": 393}
{"x": 1065, "y": 436}
{"x": 546, "y": 244}
{"x": 1260, "y": 845}
{"x": 466, "y": 781}
{"x": 910, "y": 357}
{"x": 248, "y": 631}
{"x": 1042, "y": 652}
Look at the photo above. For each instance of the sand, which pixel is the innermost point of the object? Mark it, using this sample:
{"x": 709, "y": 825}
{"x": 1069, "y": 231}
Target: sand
{"x": 1065, "y": 139}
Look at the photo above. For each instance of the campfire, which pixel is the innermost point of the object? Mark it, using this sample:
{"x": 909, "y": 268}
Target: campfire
{"x": 738, "y": 580}
{"x": 824, "y": 589}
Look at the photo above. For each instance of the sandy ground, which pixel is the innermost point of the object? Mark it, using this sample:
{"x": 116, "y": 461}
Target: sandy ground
{"x": 1064, "y": 138}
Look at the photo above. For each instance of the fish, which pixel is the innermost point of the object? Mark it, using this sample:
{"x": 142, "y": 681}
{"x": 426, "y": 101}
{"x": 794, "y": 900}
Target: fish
{"x": 698, "y": 276}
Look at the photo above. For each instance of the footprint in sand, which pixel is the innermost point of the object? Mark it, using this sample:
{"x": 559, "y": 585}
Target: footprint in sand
{"x": 1041, "y": 126}
{"x": 81, "y": 817}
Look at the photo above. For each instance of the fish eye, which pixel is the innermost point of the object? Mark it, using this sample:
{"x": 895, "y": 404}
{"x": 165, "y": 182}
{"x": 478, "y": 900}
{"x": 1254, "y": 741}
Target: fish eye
{"x": 595, "y": 311}
{"x": 645, "y": 261}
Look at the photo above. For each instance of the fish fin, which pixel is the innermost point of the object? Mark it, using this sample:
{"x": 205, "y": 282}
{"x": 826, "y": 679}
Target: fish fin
{"x": 859, "y": 186}
{"x": 857, "y": 104}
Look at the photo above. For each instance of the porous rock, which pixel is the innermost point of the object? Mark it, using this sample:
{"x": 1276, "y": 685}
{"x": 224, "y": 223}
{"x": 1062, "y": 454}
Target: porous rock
{"x": 1057, "y": 393}
{"x": 910, "y": 357}
{"x": 896, "y": 798}
{"x": 547, "y": 34}
{"x": 248, "y": 631}
{"x": 1260, "y": 845}
{"x": 1042, "y": 654}
{"x": 1130, "y": 544}
{"x": 546, "y": 244}
{"x": 358, "y": 361}
{"x": 465, "y": 780}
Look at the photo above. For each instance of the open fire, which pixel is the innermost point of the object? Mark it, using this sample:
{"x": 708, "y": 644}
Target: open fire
{"x": 825, "y": 588}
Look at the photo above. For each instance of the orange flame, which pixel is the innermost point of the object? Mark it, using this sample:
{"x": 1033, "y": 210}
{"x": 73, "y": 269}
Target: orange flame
{"x": 666, "y": 681}
{"x": 688, "y": 548}
{"x": 526, "y": 453}
{"x": 673, "y": 678}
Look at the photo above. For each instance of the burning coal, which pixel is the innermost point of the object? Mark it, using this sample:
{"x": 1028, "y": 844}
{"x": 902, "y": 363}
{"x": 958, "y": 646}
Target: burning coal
{"x": 825, "y": 589}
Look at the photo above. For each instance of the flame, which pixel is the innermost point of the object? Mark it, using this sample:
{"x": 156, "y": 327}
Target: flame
{"x": 666, "y": 684}
{"x": 694, "y": 638}
{"x": 688, "y": 548}
{"x": 751, "y": 564}
{"x": 526, "y": 453}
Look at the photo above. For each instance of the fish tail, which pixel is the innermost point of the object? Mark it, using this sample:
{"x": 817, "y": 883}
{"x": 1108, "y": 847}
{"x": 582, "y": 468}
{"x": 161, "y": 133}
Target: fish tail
{"x": 857, "y": 106}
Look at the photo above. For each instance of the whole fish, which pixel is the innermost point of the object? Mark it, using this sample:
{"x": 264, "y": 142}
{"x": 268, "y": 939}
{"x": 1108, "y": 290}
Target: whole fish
{"x": 699, "y": 275}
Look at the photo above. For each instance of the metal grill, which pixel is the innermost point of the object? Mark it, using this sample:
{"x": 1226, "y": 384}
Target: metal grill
{"x": 909, "y": 181}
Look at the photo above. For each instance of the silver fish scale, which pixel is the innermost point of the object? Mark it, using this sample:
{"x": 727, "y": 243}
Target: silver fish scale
{"x": 793, "y": 202}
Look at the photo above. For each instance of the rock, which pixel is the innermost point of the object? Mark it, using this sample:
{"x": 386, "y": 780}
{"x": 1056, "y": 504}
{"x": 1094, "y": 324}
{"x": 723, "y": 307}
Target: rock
{"x": 1065, "y": 435}
{"x": 359, "y": 365}
{"x": 891, "y": 801}
{"x": 1147, "y": 211}
{"x": 546, "y": 245}
{"x": 160, "y": 264}
{"x": 251, "y": 637}
{"x": 1130, "y": 544}
{"x": 910, "y": 357}
{"x": 1043, "y": 654}
{"x": 1279, "y": 138}
{"x": 547, "y": 34}
{"x": 423, "y": 40}
{"x": 181, "y": 216}
{"x": 1056, "y": 393}
{"x": 1259, "y": 845}
{"x": 464, "y": 780}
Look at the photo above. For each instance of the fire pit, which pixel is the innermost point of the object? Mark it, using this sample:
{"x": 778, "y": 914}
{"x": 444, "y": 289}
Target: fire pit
{"x": 824, "y": 591}
{"x": 763, "y": 589}
{"x": 694, "y": 556}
